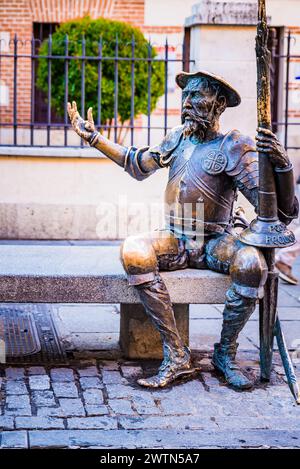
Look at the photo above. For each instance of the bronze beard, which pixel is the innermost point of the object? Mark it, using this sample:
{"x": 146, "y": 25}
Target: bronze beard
{"x": 195, "y": 124}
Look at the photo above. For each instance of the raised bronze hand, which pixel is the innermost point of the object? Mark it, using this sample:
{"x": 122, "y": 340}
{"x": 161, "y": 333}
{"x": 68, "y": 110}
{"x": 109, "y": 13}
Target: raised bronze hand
{"x": 84, "y": 128}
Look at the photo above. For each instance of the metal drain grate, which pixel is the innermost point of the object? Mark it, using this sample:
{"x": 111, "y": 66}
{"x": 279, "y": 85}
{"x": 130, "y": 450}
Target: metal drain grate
{"x": 29, "y": 334}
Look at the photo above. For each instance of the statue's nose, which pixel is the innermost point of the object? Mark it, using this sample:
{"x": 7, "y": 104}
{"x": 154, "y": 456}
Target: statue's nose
{"x": 187, "y": 103}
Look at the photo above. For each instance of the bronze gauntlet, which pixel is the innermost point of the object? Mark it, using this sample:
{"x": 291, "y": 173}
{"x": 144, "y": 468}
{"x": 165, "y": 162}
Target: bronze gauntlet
{"x": 288, "y": 206}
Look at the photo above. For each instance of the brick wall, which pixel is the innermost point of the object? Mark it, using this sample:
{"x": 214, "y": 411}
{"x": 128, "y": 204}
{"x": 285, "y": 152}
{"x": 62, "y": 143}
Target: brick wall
{"x": 17, "y": 17}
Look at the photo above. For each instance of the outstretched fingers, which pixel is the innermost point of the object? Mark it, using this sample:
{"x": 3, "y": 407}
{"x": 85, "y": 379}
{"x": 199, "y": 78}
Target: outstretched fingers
{"x": 90, "y": 115}
{"x": 72, "y": 111}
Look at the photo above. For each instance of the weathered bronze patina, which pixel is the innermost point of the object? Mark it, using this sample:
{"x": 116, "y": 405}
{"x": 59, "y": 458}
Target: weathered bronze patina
{"x": 206, "y": 170}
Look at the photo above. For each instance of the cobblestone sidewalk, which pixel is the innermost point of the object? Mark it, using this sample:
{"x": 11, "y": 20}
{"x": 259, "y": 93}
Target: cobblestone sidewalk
{"x": 92, "y": 404}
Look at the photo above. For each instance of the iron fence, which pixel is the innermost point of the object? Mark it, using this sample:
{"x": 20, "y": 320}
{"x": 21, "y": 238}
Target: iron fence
{"x": 41, "y": 117}
{"x": 281, "y": 89}
{"x": 20, "y": 51}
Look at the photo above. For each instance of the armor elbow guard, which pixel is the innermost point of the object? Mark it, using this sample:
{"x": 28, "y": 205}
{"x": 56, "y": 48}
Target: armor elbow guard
{"x": 288, "y": 206}
{"x": 133, "y": 164}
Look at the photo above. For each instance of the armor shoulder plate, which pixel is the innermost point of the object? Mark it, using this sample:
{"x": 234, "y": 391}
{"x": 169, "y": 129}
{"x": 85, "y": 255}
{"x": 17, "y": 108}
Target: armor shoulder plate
{"x": 242, "y": 162}
{"x": 168, "y": 145}
{"x": 239, "y": 149}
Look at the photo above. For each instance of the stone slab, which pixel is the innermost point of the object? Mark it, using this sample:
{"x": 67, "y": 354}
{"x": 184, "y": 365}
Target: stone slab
{"x": 91, "y": 274}
{"x": 50, "y": 152}
{"x": 223, "y": 13}
{"x": 165, "y": 438}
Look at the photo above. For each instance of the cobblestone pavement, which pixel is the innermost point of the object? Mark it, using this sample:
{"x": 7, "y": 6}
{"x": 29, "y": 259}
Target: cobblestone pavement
{"x": 92, "y": 404}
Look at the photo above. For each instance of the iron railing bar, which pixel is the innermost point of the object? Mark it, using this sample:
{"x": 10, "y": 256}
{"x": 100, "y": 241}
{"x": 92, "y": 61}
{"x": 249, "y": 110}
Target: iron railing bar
{"x": 284, "y": 56}
{"x": 132, "y": 90}
{"x": 149, "y": 94}
{"x": 66, "y": 120}
{"x": 82, "y": 82}
{"x": 166, "y": 86}
{"x": 43, "y": 126}
{"x": 62, "y": 147}
{"x": 283, "y": 123}
{"x": 49, "y": 89}
{"x": 99, "y": 97}
{"x": 15, "y": 109}
{"x": 92, "y": 57}
{"x": 32, "y": 104}
{"x": 286, "y": 113}
{"x": 116, "y": 91}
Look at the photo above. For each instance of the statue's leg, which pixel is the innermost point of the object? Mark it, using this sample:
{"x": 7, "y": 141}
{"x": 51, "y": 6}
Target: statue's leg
{"x": 248, "y": 270}
{"x": 139, "y": 256}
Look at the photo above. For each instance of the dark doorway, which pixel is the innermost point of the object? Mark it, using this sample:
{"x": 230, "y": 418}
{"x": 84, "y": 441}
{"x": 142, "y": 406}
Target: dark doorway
{"x": 42, "y": 31}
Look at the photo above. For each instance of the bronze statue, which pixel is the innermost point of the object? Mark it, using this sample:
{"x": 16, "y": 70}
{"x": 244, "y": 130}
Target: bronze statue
{"x": 209, "y": 168}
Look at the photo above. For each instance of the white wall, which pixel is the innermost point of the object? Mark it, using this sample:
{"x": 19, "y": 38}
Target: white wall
{"x": 284, "y": 12}
{"x": 70, "y": 198}
{"x": 229, "y": 51}
{"x": 167, "y": 12}
{"x": 174, "y": 12}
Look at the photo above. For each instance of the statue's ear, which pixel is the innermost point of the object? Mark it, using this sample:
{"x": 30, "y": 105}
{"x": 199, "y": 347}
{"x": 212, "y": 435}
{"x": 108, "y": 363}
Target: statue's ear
{"x": 222, "y": 103}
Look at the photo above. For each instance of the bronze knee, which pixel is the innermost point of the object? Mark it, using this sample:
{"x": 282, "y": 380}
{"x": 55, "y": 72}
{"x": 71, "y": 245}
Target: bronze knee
{"x": 249, "y": 272}
{"x": 139, "y": 260}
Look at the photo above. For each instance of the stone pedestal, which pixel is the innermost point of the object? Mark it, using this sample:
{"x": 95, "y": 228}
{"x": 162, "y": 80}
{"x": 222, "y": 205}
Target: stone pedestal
{"x": 139, "y": 338}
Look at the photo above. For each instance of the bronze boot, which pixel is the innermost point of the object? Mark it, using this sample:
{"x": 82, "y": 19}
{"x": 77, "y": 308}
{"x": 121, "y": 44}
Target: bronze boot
{"x": 177, "y": 361}
{"x": 237, "y": 311}
{"x": 224, "y": 361}
{"x": 171, "y": 368}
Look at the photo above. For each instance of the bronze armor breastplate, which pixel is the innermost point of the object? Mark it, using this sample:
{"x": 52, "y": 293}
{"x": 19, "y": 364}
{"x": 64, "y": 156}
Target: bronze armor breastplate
{"x": 199, "y": 188}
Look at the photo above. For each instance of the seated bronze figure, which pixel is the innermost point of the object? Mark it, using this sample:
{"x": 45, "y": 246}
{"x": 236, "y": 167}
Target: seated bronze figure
{"x": 206, "y": 167}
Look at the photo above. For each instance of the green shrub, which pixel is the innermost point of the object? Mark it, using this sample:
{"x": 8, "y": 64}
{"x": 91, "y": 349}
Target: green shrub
{"x": 108, "y": 30}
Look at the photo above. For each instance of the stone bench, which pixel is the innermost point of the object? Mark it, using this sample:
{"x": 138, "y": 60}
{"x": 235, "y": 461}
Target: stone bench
{"x": 94, "y": 274}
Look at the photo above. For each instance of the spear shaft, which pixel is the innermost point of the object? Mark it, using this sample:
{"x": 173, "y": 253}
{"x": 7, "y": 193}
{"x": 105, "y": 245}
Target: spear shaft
{"x": 267, "y": 217}
{"x": 267, "y": 202}
{"x": 266, "y": 231}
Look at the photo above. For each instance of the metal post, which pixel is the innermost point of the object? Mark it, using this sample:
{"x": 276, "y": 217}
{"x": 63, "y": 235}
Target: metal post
{"x": 66, "y": 119}
{"x": 49, "y": 90}
{"x": 99, "y": 97}
{"x": 132, "y": 90}
{"x": 116, "y": 90}
{"x": 15, "y": 111}
{"x": 82, "y": 81}
{"x": 166, "y": 87}
{"x": 32, "y": 104}
{"x": 149, "y": 93}
{"x": 287, "y": 80}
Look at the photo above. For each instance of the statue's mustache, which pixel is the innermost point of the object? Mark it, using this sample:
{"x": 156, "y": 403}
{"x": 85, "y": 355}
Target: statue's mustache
{"x": 194, "y": 115}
